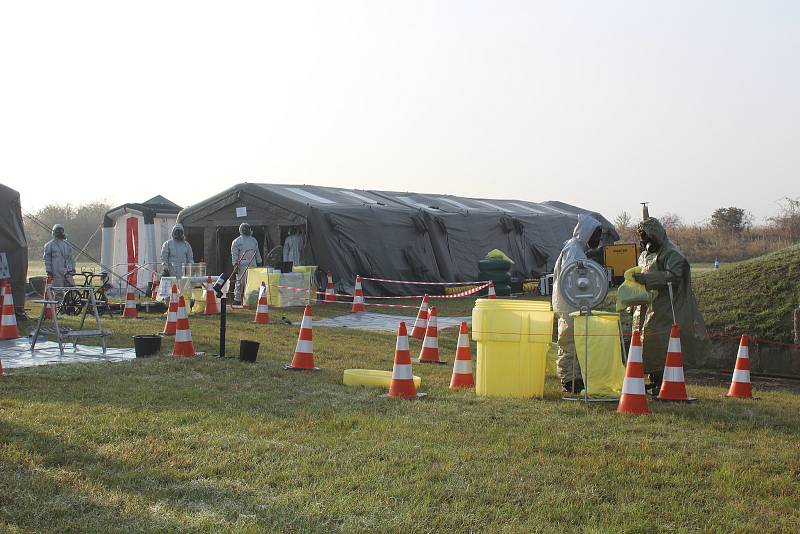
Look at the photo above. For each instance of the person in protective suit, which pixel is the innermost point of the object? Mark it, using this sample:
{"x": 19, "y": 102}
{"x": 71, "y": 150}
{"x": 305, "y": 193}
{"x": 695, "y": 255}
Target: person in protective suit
{"x": 175, "y": 252}
{"x": 59, "y": 262}
{"x": 293, "y": 246}
{"x": 244, "y": 249}
{"x": 585, "y": 236}
{"x": 663, "y": 263}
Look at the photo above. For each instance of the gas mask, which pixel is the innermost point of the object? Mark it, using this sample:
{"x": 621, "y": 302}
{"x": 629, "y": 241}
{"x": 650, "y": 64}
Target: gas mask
{"x": 245, "y": 230}
{"x": 59, "y": 232}
{"x": 177, "y": 233}
{"x": 647, "y": 243}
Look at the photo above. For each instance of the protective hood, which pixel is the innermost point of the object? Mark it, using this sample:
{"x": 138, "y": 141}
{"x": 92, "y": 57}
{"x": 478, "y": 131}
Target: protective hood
{"x": 175, "y": 230}
{"x": 59, "y": 232}
{"x": 585, "y": 228}
{"x": 654, "y": 230}
{"x": 244, "y": 229}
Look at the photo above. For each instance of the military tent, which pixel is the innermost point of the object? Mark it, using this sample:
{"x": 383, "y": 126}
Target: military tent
{"x": 382, "y": 234}
{"x": 13, "y": 243}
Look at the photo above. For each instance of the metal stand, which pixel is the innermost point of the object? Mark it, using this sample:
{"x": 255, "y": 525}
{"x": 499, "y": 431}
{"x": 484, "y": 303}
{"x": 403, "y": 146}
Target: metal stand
{"x": 63, "y": 333}
{"x": 223, "y": 319}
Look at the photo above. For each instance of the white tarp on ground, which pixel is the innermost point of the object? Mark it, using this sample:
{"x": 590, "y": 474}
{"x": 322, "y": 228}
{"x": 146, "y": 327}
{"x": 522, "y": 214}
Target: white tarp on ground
{"x": 384, "y": 322}
{"x": 17, "y": 353}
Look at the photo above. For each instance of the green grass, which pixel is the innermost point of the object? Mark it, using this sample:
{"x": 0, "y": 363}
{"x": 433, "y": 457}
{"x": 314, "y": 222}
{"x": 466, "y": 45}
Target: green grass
{"x": 756, "y": 296}
{"x": 209, "y": 444}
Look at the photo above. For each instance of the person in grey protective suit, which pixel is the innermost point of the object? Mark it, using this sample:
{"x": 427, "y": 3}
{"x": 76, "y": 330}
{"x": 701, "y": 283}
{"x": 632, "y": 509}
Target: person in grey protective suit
{"x": 244, "y": 249}
{"x": 293, "y": 246}
{"x": 59, "y": 262}
{"x": 663, "y": 264}
{"x": 585, "y": 236}
{"x": 175, "y": 252}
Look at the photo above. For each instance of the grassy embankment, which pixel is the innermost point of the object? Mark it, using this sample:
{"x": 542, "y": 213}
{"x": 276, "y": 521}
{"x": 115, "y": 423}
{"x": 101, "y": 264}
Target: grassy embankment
{"x": 756, "y": 296}
{"x": 207, "y": 444}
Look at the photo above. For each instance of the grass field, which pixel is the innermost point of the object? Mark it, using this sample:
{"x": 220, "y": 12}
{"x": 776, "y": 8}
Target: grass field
{"x": 210, "y": 444}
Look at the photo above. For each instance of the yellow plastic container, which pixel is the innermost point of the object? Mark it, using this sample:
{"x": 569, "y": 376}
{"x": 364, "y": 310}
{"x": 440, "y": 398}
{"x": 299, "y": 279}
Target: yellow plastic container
{"x": 513, "y": 338}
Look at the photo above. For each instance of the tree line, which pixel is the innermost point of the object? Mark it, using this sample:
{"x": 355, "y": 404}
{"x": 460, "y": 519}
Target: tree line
{"x": 730, "y": 233}
{"x": 82, "y": 224}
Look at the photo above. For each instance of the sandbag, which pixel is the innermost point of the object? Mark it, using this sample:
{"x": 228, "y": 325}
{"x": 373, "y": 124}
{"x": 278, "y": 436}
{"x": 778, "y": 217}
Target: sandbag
{"x": 497, "y": 254}
{"x": 494, "y": 265}
{"x": 632, "y": 293}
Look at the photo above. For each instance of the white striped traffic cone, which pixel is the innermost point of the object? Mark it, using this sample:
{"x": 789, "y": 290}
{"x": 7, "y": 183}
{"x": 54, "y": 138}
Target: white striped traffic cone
{"x": 183, "y": 335}
{"x": 462, "y": 366}
{"x": 673, "y": 385}
{"x": 634, "y": 399}
{"x": 741, "y": 387}
{"x": 129, "y": 312}
{"x": 492, "y": 294}
{"x": 421, "y": 324}
{"x": 329, "y": 293}
{"x": 430, "y": 345}
{"x": 262, "y": 309}
{"x": 170, "y": 327}
{"x": 303, "y": 359}
{"x": 358, "y": 297}
{"x": 402, "y": 384}
{"x": 8, "y": 320}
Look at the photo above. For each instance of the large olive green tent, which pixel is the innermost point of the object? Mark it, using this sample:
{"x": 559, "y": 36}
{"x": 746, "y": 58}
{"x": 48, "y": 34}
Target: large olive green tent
{"x": 13, "y": 242}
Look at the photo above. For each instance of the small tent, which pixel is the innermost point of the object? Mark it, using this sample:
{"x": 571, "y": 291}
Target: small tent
{"x": 13, "y": 243}
{"x": 381, "y": 234}
{"x": 132, "y": 236}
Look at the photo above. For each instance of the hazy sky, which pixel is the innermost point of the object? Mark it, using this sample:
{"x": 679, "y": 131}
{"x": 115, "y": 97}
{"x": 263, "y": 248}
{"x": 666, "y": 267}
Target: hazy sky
{"x": 691, "y": 105}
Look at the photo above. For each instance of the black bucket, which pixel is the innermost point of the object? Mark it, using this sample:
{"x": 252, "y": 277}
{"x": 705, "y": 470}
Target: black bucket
{"x": 146, "y": 345}
{"x": 248, "y": 350}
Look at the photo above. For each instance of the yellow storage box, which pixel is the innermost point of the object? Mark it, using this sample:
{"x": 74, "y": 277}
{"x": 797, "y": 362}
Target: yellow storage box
{"x": 513, "y": 337}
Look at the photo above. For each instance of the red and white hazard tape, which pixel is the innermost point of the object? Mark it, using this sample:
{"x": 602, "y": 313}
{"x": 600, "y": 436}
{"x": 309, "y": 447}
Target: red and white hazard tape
{"x": 425, "y": 283}
{"x": 466, "y": 293}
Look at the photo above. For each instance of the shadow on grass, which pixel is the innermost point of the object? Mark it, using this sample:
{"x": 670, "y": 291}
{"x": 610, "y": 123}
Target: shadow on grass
{"x": 70, "y": 484}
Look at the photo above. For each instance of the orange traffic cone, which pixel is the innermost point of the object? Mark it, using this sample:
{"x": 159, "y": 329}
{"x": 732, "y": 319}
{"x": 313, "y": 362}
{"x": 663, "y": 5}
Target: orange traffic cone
{"x": 462, "y": 367}
{"x": 154, "y": 290}
{"x": 634, "y": 398}
{"x": 492, "y": 293}
{"x": 358, "y": 297}
{"x": 421, "y": 324}
{"x": 329, "y": 293}
{"x": 402, "y": 384}
{"x": 183, "y": 336}
{"x": 740, "y": 383}
{"x": 430, "y": 345}
{"x": 8, "y": 320}
{"x": 212, "y": 306}
{"x": 130, "y": 306}
{"x": 304, "y": 350}
{"x": 673, "y": 386}
{"x": 48, "y": 308}
{"x": 172, "y": 313}
{"x": 262, "y": 310}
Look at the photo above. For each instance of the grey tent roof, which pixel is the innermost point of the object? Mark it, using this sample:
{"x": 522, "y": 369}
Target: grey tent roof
{"x": 400, "y": 235}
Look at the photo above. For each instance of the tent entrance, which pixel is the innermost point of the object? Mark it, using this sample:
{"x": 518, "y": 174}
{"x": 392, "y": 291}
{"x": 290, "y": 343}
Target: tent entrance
{"x": 226, "y": 235}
